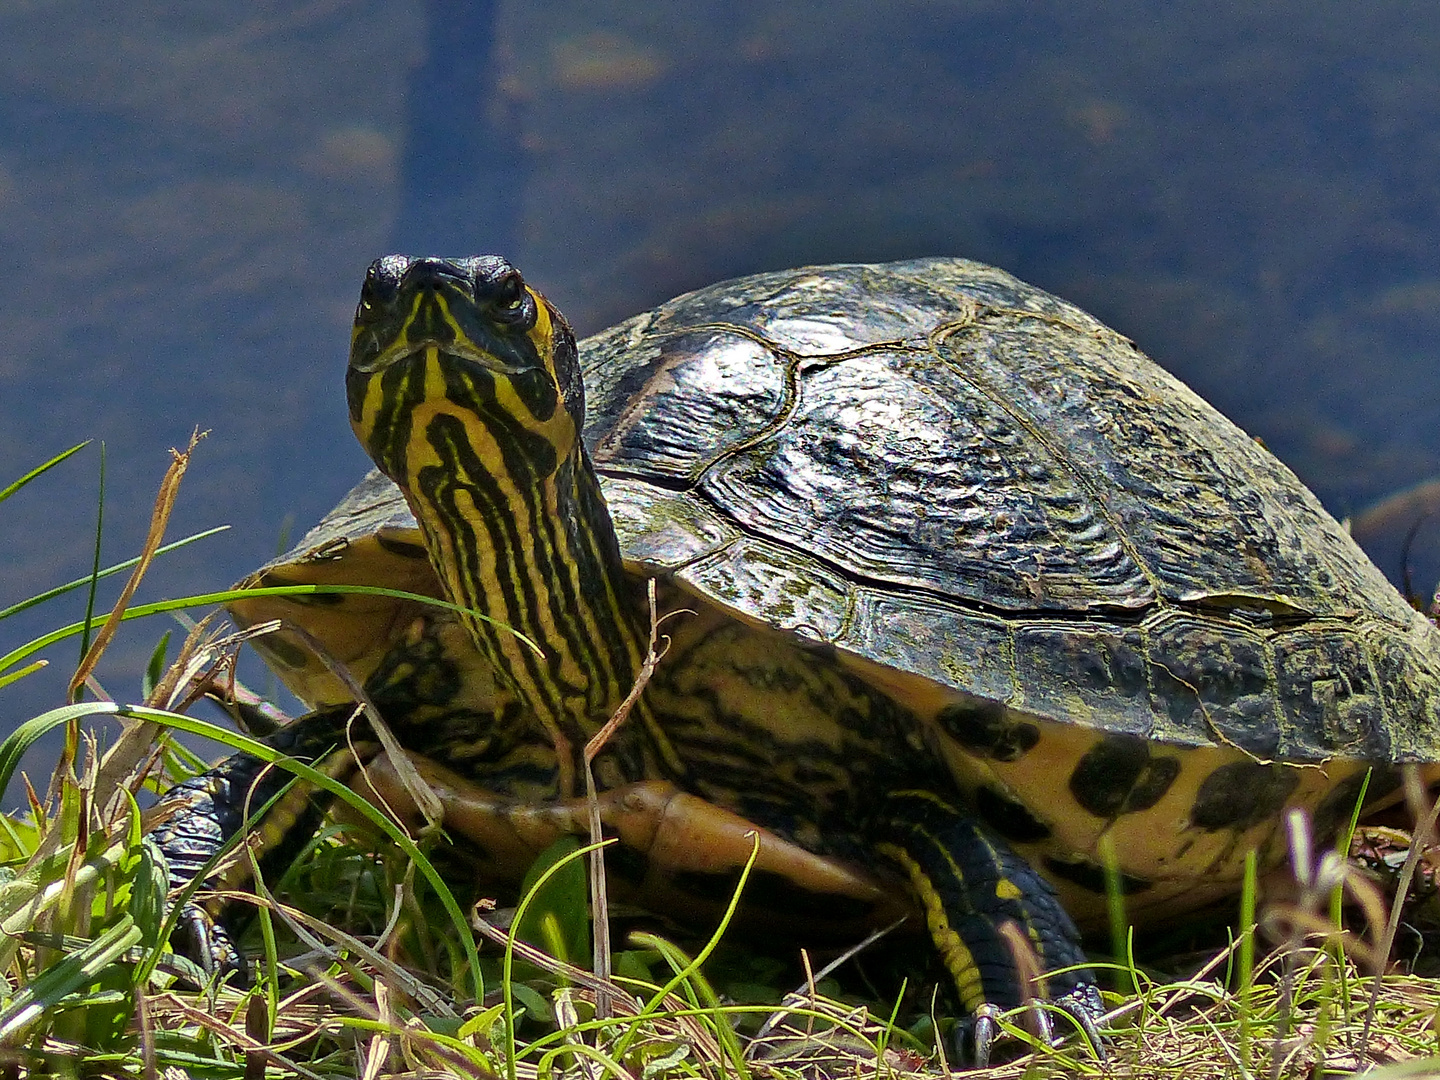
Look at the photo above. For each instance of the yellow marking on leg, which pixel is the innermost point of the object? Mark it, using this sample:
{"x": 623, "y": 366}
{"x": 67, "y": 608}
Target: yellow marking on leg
{"x": 1005, "y": 889}
{"x": 956, "y": 954}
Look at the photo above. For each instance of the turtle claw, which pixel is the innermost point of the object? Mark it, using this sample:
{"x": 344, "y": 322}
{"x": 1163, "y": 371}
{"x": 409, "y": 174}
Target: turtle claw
{"x": 1084, "y": 1005}
{"x": 975, "y": 1038}
{"x": 1039, "y": 1022}
{"x": 209, "y": 944}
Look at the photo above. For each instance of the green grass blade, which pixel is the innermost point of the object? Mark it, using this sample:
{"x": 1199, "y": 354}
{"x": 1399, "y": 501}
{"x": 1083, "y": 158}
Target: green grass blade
{"x": 149, "y": 886}
{"x": 1249, "y": 894}
{"x": 32, "y": 730}
{"x": 889, "y": 1031}
{"x": 95, "y": 567}
{"x": 1342, "y": 848}
{"x": 155, "y": 669}
{"x": 535, "y": 892}
{"x": 1115, "y": 908}
{"x": 44, "y": 885}
{"x": 608, "y": 1066}
{"x": 556, "y": 917}
{"x": 70, "y": 586}
{"x": 14, "y": 748}
{"x": 20, "y": 673}
{"x": 335, "y": 788}
{"x": 683, "y": 976}
{"x": 66, "y": 977}
{"x": 11, "y": 489}
{"x": 140, "y": 611}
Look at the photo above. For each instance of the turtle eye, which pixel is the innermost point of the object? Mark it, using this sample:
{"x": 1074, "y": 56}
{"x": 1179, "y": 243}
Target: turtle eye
{"x": 367, "y": 294}
{"x": 508, "y": 292}
{"x": 514, "y": 307}
{"x": 377, "y": 289}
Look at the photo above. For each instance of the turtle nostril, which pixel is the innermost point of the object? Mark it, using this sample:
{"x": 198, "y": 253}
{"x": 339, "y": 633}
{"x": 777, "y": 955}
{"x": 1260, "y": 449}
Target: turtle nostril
{"x": 431, "y": 273}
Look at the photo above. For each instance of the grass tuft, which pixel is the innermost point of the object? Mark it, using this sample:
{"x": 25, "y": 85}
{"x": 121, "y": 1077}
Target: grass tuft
{"x": 370, "y": 963}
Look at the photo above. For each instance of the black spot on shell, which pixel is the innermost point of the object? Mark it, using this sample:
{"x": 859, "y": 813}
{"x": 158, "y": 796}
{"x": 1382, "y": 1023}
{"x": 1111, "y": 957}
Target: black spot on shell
{"x": 1335, "y": 808}
{"x": 1091, "y": 876}
{"x": 1009, "y": 817}
{"x": 1154, "y": 782}
{"x": 1241, "y": 795}
{"x": 1102, "y": 780}
{"x": 319, "y": 599}
{"x": 273, "y": 580}
{"x": 1118, "y": 775}
{"x": 402, "y": 548}
{"x": 987, "y": 730}
{"x": 283, "y": 652}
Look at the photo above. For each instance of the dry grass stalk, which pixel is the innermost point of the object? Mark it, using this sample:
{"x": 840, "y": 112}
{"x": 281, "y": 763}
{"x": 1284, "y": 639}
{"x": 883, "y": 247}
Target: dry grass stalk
{"x": 599, "y": 894}
{"x": 159, "y": 519}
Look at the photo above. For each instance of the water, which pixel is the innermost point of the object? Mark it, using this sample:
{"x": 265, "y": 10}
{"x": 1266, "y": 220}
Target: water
{"x": 187, "y": 203}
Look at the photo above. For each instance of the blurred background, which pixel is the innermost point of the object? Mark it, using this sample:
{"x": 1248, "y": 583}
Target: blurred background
{"x": 189, "y": 194}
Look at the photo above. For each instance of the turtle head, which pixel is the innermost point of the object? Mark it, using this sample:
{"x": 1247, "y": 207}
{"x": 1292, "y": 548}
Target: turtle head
{"x": 448, "y": 352}
{"x": 464, "y": 387}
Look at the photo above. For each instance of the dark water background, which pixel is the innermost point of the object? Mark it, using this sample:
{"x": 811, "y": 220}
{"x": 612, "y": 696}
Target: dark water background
{"x": 189, "y": 194}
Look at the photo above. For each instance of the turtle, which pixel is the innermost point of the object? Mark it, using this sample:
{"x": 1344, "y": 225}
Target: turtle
{"x": 970, "y": 588}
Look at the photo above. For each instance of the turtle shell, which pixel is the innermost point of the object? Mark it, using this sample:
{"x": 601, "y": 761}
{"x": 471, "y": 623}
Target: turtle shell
{"x": 997, "y": 510}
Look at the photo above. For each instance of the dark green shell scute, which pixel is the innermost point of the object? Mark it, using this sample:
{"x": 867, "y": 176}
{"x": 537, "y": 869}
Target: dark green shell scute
{"x": 1153, "y": 456}
{"x": 683, "y": 439}
{"x": 1407, "y": 668}
{"x": 663, "y": 529}
{"x": 866, "y": 469}
{"x": 797, "y": 594}
{"x": 1082, "y": 670}
{"x": 1209, "y": 677}
{"x": 970, "y": 651}
{"x": 1326, "y": 687}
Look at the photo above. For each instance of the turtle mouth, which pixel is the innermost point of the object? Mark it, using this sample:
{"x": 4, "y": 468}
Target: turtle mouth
{"x": 370, "y": 357}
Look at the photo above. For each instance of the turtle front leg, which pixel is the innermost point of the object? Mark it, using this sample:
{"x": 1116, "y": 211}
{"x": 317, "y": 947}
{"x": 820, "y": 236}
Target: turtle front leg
{"x": 199, "y": 816}
{"x": 971, "y": 884}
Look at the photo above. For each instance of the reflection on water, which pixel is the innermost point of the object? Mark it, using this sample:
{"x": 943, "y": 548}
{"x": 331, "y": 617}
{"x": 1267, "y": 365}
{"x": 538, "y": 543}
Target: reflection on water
{"x": 187, "y": 202}
{"x": 186, "y": 199}
{"x": 464, "y": 171}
